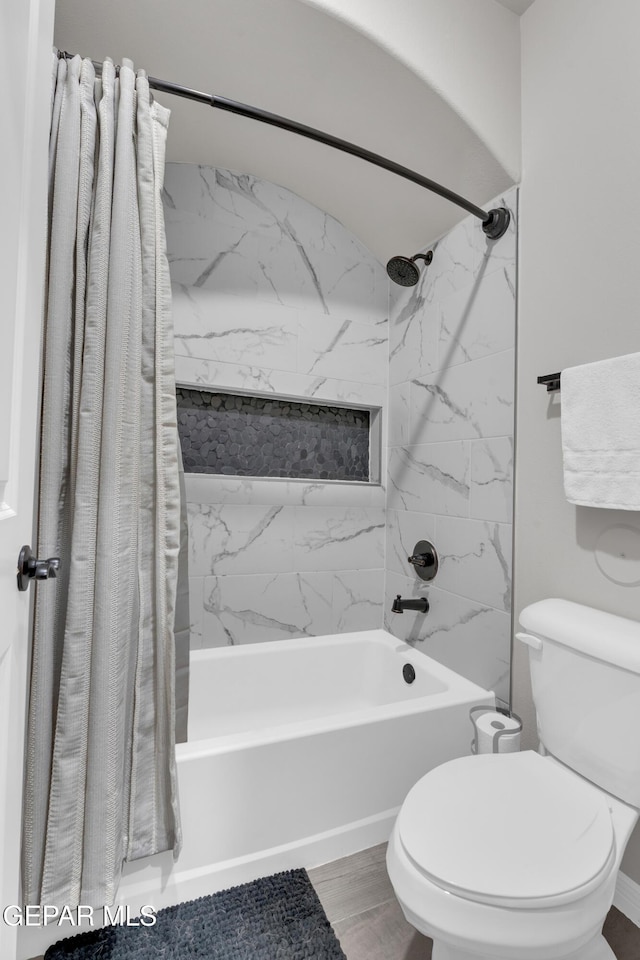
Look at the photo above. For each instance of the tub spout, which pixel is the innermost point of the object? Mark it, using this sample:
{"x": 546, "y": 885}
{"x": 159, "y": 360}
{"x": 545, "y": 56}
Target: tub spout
{"x": 399, "y": 605}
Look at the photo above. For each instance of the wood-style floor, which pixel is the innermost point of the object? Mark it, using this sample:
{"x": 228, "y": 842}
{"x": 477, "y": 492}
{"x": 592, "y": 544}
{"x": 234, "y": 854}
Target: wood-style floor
{"x": 359, "y": 902}
{"x": 358, "y": 899}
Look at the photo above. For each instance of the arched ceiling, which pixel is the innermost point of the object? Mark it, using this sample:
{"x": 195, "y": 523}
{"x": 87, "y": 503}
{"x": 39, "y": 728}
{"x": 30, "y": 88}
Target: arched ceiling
{"x": 466, "y": 51}
{"x": 293, "y": 58}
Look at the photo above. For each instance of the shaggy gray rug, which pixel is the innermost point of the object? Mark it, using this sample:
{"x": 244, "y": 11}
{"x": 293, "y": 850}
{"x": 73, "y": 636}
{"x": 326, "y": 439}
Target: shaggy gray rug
{"x": 275, "y": 918}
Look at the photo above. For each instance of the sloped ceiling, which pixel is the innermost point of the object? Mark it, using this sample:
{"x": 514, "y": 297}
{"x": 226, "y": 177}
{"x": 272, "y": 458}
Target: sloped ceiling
{"x": 292, "y": 58}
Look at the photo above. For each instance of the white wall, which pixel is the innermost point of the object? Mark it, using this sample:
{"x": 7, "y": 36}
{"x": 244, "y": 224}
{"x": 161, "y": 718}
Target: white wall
{"x": 579, "y": 295}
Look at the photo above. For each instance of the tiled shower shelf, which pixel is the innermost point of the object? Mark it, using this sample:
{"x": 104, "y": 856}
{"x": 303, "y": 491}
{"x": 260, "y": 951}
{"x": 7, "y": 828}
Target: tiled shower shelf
{"x": 267, "y": 437}
{"x": 208, "y": 488}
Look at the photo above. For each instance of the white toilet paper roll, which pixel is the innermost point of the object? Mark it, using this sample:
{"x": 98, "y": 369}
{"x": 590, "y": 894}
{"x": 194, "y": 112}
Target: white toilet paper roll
{"x": 497, "y": 733}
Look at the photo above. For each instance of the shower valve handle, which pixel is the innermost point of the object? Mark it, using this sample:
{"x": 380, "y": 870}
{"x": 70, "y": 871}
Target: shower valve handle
{"x": 424, "y": 559}
{"x": 29, "y": 568}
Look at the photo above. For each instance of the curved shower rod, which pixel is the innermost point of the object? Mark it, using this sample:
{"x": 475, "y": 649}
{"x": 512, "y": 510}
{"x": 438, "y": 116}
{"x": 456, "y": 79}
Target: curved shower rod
{"x": 494, "y": 222}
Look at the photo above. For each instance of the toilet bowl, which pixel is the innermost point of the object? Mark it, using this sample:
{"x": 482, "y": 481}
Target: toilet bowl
{"x": 508, "y": 856}
{"x": 515, "y": 856}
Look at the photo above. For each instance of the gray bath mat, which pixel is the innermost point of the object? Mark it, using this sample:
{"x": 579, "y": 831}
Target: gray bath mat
{"x": 275, "y": 918}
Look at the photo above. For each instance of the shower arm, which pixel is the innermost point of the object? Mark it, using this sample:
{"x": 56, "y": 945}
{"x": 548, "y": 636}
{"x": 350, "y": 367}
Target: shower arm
{"x": 494, "y": 222}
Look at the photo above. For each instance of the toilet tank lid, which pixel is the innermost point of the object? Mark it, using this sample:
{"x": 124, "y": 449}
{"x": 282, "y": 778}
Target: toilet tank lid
{"x": 604, "y": 636}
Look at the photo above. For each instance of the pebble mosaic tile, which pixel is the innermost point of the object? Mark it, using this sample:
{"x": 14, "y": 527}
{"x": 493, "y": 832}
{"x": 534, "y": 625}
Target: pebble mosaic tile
{"x": 230, "y": 435}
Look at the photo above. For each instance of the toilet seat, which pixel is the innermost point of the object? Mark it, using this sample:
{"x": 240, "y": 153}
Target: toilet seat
{"x": 508, "y": 829}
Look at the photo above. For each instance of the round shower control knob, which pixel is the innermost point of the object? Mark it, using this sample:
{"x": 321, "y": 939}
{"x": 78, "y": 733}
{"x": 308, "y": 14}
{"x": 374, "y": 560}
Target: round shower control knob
{"x": 425, "y": 559}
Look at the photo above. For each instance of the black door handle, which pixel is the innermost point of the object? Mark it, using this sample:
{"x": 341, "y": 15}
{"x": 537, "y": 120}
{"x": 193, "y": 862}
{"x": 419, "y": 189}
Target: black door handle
{"x": 29, "y": 568}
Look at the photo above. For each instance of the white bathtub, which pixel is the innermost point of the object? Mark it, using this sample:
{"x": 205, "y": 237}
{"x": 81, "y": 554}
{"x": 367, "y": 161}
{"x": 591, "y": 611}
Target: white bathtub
{"x": 300, "y": 752}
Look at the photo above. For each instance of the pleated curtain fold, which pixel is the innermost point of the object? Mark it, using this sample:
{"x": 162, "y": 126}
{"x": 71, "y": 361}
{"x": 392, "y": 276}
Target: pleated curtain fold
{"x": 101, "y": 774}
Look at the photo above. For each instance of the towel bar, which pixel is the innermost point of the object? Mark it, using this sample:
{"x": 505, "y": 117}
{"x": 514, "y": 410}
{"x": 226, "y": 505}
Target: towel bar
{"x": 551, "y": 381}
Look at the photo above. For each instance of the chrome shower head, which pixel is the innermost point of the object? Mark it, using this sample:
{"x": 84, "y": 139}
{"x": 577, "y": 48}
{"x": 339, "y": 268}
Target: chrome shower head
{"x": 403, "y": 270}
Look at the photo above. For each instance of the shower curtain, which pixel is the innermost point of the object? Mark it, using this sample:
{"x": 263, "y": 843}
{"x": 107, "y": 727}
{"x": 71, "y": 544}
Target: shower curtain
{"x": 101, "y": 775}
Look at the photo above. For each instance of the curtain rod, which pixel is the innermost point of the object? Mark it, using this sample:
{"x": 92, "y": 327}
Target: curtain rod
{"x": 494, "y": 222}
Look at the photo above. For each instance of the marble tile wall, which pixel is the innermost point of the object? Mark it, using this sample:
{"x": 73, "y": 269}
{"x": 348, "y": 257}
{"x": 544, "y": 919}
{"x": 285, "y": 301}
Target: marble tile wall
{"x": 274, "y": 297}
{"x": 450, "y": 468}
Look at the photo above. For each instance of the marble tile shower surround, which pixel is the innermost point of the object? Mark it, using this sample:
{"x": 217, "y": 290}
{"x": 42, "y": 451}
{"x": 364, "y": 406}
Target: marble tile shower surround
{"x": 450, "y": 466}
{"x": 274, "y": 296}
{"x": 246, "y": 237}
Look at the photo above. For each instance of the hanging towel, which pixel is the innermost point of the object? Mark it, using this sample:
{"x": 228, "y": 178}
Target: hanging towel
{"x": 601, "y": 433}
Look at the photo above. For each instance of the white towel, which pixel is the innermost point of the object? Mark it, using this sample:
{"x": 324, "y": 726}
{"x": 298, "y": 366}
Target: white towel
{"x": 601, "y": 433}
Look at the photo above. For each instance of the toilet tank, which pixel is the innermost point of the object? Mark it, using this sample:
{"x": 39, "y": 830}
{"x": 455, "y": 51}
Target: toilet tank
{"x": 585, "y": 678}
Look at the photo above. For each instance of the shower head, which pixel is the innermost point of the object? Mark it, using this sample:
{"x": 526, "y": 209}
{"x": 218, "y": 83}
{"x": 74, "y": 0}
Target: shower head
{"x": 403, "y": 270}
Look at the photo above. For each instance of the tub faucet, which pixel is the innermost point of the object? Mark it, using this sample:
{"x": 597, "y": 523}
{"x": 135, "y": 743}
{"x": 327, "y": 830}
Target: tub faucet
{"x": 399, "y": 605}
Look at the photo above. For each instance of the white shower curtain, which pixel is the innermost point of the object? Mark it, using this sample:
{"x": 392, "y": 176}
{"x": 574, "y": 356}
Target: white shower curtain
{"x": 101, "y": 777}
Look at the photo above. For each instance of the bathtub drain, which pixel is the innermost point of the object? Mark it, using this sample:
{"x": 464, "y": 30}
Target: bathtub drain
{"x": 408, "y": 673}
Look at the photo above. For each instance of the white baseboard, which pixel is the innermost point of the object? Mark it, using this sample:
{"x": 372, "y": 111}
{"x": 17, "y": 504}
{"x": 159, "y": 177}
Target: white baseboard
{"x": 627, "y": 898}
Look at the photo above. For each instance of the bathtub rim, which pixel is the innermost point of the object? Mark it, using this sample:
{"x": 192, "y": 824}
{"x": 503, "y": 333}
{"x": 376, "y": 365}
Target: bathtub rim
{"x": 458, "y": 689}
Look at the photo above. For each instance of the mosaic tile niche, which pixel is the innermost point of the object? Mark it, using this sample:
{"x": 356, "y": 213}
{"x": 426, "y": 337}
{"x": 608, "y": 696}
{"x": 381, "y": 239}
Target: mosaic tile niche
{"x": 247, "y": 436}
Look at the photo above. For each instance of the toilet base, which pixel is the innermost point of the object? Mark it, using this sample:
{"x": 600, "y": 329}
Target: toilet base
{"x": 596, "y": 949}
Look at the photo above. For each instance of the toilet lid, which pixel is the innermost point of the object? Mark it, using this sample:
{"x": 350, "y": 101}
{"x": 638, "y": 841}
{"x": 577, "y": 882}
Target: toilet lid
{"x": 508, "y": 829}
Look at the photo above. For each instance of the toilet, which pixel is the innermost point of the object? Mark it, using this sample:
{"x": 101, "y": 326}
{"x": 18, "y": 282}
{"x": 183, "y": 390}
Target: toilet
{"x": 515, "y": 855}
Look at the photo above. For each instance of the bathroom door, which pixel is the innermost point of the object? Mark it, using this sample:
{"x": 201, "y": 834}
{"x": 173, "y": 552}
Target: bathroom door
{"x": 25, "y": 58}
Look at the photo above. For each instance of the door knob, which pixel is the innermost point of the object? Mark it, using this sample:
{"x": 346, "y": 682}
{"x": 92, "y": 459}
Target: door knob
{"x": 29, "y": 568}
